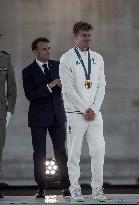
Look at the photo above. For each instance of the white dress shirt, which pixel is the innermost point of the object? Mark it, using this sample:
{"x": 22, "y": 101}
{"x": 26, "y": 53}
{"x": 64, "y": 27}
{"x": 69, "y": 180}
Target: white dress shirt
{"x": 40, "y": 64}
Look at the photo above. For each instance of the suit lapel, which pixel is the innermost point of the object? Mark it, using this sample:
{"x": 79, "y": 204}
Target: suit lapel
{"x": 50, "y": 65}
{"x": 51, "y": 69}
{"x": 38, "y": 70}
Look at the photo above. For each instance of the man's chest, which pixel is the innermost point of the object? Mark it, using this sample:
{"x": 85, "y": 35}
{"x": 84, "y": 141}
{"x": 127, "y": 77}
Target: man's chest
{"x": 81, "y": 72}
{"x": 85, "y": 65}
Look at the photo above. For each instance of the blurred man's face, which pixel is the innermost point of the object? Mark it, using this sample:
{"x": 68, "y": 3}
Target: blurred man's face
{"x": 82, "y": 39}
{"x": 42, "y": 51}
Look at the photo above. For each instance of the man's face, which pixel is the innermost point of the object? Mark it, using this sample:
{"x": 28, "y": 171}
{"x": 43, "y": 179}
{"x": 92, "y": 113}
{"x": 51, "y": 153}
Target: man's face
{"x": 42, "y": 51}
{"x": 82, "y": 39}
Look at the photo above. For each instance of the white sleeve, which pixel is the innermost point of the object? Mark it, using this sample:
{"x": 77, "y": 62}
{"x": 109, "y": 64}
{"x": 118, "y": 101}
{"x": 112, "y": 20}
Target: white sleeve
{"x": 8, "y": 117}
{"x": 100, "y": 89}
{"x": 67, "y": 79}
{"x": 49, "y": 88}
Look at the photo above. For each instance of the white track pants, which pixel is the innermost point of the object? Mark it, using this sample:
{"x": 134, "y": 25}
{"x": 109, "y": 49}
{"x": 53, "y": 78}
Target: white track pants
{"x": 77, "y": 128}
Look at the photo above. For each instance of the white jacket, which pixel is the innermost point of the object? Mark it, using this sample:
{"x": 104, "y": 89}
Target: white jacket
{"x": 72, "y": 75}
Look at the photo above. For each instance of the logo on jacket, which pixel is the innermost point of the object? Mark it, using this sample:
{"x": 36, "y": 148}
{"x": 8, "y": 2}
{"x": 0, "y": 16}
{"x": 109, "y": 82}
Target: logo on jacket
{"x": 93, "y": 61}
{"x": 77, "y": 62}
{"x": 69, "y": 129}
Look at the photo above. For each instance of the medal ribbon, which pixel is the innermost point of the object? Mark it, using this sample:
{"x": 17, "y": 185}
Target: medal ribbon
{"x": 87, "y": 73}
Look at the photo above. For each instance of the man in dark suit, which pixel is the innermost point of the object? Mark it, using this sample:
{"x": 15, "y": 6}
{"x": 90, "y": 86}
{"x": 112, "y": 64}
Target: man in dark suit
{"x": 42, "y": 88}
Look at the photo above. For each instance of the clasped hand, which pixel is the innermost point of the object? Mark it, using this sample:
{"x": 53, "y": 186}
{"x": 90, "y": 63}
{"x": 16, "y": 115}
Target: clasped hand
{"x": 56, "y": 82}
{"x": 89, "y": 115}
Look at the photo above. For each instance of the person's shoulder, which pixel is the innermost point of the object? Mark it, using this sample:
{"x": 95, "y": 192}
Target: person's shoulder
{"x": 28, "y": 68}
{"x": 97, "y": 55}
{"x": 5, "y": 54}
{"x": 67, "y": 54}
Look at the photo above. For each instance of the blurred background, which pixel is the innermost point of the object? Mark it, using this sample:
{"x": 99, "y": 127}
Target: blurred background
{"x": 116, "y": 38}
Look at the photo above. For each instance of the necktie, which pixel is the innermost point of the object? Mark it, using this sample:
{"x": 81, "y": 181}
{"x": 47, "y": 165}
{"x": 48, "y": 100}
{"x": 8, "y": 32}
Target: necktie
{"x": 46, "y": 71}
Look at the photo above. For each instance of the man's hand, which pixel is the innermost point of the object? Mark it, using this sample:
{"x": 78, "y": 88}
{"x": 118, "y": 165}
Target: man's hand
{"x": 54, "y": 83}
{"x": 59, "y": 82}
{"x": 89, "y": 114}
{"x": 8, "y": 117}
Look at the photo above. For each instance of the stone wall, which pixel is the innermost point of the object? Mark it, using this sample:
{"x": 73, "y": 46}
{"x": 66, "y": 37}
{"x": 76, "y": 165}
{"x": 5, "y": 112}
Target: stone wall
{"x": 116, "y": 37}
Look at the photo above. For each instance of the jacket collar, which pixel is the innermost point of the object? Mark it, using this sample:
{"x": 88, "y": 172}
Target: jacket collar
{"x": 38, "y": 69}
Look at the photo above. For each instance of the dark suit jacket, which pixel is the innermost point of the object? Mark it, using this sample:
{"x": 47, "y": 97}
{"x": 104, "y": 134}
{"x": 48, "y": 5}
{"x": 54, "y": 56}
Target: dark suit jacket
{"x": 44, "y": 105}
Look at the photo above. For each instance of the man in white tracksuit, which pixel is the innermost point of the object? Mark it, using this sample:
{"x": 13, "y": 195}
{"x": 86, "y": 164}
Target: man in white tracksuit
{"x": 83, "y": 84}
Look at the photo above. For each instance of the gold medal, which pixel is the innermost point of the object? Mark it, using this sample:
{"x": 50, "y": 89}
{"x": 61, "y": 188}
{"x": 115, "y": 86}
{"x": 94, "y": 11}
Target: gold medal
{"x": 88, "y": 84}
